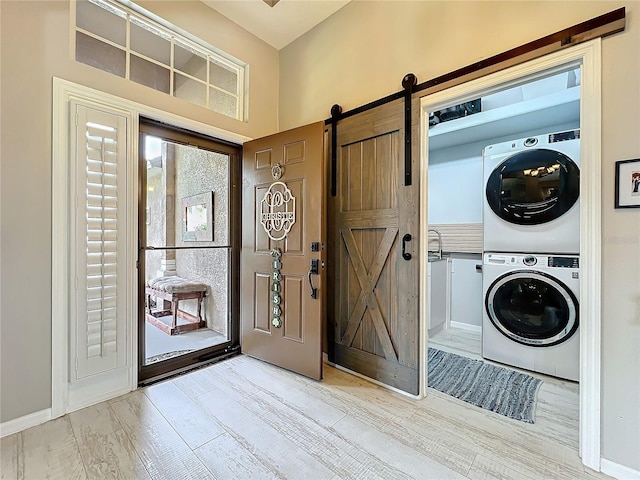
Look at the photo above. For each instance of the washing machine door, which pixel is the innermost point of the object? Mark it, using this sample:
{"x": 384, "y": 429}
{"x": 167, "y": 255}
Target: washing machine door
{"x": 533, "y": 187}
{"x": 532, "y": 308}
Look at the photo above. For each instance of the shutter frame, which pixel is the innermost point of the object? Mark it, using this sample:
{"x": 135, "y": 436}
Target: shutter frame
{"x": 99, "y": 228}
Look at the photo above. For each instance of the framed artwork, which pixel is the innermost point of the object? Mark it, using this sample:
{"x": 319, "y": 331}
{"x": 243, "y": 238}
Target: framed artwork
{"x": 628, "y": 184}
{"x": 197, "y": 218}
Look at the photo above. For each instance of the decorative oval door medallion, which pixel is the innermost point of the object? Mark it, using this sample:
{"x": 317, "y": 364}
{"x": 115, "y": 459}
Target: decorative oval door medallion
{"x": 278, "y": 211}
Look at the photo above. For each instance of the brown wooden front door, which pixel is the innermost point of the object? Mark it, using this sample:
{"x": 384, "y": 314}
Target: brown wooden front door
{"x": 281, "y": 323}
{"x": 374, "y": 290}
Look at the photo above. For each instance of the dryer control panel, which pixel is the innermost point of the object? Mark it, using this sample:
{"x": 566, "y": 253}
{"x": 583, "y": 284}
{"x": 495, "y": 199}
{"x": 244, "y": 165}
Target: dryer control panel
{"x": 562, "y": 136}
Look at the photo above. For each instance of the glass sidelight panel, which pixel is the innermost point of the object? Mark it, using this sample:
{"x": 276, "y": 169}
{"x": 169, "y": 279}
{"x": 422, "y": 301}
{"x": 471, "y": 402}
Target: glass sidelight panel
{"x": 187, "y": 250}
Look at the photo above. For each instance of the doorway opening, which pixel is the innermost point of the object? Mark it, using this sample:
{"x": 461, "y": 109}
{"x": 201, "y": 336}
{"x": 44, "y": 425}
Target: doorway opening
{"x": 188, "y": 261}
{"x": 458, "y": 136}
{"x": 467, "y": 240}
{"x": 582, "y": 59}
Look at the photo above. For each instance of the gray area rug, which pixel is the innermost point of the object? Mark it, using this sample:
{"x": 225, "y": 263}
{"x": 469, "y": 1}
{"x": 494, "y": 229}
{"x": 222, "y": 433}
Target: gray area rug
{"x": 494, "y": 388}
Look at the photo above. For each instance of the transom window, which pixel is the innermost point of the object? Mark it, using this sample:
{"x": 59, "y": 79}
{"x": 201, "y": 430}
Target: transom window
{"x": 119, "y": 40}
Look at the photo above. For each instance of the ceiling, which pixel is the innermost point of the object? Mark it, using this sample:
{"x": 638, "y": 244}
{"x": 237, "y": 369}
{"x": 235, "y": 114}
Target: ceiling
{"x": 278, "y": 25}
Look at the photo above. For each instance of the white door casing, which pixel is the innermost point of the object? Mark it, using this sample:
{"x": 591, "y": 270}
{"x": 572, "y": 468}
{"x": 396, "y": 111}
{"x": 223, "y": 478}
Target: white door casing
{"x": 586, "y": 55}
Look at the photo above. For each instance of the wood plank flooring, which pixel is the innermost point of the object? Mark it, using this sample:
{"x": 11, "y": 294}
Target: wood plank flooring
{"x": 244, "y": 419}
{"x": 557, "y": 409}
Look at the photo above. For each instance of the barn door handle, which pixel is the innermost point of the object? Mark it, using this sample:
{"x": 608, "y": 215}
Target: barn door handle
{"x": 405, "y": 239}
{"x": 313, "y": 270}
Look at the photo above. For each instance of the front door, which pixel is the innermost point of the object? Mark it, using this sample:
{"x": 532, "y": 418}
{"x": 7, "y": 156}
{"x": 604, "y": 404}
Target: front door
{"x": 189, "y": 241}
{"x": 373, "y": 265}
{"x": 282, "y": 236}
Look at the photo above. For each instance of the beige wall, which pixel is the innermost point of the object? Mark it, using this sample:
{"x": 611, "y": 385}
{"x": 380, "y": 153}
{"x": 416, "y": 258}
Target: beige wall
{"x": 35, "y": 47}
{"x": 351, "y": 61}
{"x": 357, "y": 55}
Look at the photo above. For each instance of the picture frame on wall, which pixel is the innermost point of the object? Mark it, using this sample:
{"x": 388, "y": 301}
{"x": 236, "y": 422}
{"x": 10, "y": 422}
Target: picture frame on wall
{"x": 197, "y": 218}
{"x": 628, "y": 183}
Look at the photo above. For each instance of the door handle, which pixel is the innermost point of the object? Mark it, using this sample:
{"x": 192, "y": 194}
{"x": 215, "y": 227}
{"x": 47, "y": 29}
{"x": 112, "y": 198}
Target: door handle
{"x": 313, "y": 270}
{"x": 405, "y": 239}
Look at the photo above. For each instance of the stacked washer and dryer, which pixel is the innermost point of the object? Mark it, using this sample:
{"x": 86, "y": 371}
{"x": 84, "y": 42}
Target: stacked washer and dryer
{"x": 531, "y": 261}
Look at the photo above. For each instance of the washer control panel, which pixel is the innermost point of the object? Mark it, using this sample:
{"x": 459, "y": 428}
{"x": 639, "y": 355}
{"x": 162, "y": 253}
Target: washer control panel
{"x": 503, "y": 259}
{"x": 519, "y": 260}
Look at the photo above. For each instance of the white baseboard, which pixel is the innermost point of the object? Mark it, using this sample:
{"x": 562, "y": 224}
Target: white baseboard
{"x": 18, "y": 424}
{"x": 618, "y": 471}
{"x": 466, "y": 326}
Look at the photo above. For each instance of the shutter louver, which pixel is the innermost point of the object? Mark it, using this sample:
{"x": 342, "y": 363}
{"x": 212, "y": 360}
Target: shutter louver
{"x": 100, "y": 241}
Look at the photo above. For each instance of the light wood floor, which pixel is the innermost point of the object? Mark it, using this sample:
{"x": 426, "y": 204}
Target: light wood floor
{"x": 245, "y": 419}
{"x": 558, "y": 404}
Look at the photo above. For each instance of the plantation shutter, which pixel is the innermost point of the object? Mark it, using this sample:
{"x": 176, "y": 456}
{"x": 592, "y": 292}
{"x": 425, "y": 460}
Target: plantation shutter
{"x": 100, "y": 241}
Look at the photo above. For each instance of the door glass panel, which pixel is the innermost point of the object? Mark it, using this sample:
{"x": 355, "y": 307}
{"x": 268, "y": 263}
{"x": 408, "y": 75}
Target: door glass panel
{"x": 187, "y": 253}
{"x": 531, "y": 308}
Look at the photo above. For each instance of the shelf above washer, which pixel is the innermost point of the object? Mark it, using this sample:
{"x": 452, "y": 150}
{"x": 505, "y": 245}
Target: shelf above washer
{"x": 552, "y": 109}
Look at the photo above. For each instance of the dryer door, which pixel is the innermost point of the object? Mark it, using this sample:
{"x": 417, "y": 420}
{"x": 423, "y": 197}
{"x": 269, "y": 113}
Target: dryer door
{"x": 532, "y": 308}
{"x": 533, "y": 187}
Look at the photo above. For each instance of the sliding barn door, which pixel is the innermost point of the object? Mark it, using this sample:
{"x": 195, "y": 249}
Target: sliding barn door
{"x": 374, "y": 294}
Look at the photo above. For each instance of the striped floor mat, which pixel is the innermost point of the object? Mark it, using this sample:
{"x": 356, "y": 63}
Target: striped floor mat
{"x": 494, "y": 388}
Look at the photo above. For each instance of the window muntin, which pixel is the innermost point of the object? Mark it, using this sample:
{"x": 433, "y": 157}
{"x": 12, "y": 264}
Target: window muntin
{"x": 119, "y": 40}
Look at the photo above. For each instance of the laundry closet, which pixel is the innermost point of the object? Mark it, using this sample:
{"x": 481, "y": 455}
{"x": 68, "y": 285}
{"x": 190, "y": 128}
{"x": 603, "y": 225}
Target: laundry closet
{"x": 542, "y": 115}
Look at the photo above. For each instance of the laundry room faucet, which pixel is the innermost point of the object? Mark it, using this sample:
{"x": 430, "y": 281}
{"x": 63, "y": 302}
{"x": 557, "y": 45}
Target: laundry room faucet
{"x": 439, "y": 240}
